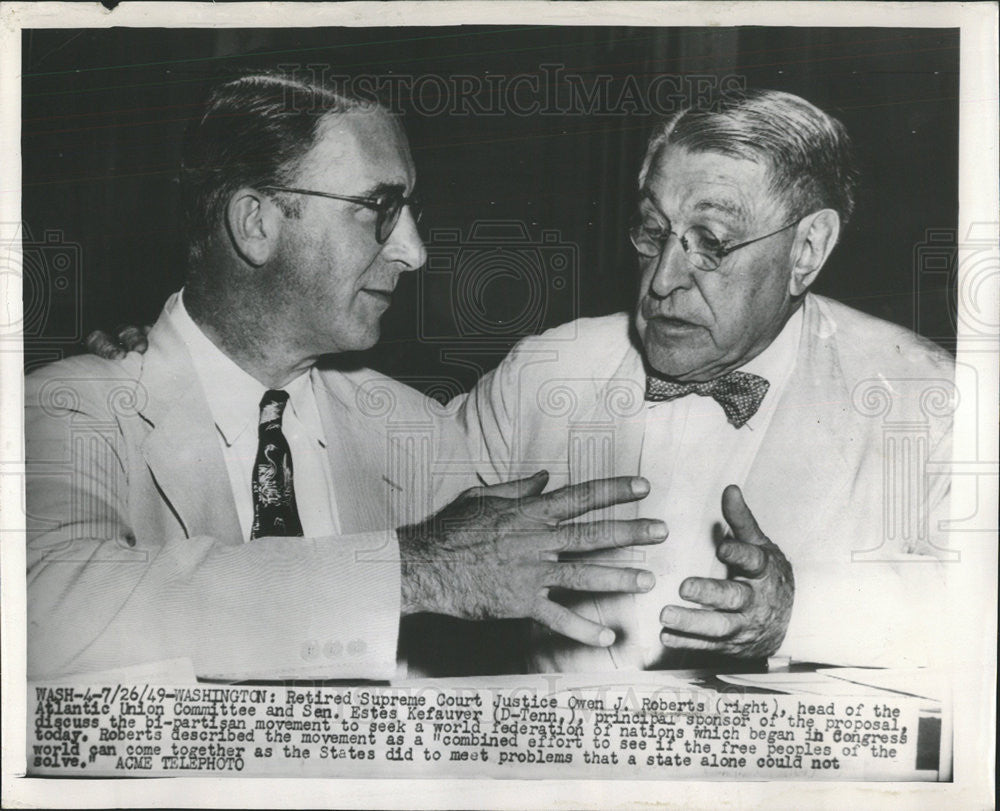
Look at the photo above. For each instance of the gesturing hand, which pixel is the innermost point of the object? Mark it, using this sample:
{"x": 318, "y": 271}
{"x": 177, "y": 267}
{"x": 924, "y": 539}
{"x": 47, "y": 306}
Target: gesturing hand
{"x": 124, "y": 340}
{"x": 493, "y": 553}
{"x": 746, "y": 615}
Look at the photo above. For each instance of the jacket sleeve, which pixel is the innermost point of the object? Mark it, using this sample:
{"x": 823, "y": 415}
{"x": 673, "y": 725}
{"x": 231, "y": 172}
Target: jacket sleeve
{"x": 101, "y": 596}
{"x": 491, "y": 419}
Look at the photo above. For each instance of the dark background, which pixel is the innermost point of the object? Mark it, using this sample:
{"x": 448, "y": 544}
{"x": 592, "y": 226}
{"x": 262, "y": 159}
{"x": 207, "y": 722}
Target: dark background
{"x": 104, "y": 110}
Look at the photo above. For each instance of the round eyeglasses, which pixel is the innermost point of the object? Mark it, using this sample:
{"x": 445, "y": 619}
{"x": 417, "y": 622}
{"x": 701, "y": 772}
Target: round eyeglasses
{"x": 703, "y": 249}
{"x": 387, "y": 205}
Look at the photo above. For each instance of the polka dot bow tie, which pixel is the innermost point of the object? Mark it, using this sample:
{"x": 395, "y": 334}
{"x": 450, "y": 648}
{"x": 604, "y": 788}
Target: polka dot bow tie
{"x": 739, "y": 393}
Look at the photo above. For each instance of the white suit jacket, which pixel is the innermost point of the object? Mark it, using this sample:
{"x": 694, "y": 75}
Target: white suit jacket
{"x": 840, "y": 483}
{"x": 134, "y": 546}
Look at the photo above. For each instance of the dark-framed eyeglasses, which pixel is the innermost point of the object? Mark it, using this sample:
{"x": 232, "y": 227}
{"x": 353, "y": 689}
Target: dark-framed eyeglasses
{"x": 388, "y": 206}
{"x": 702, "y": 248}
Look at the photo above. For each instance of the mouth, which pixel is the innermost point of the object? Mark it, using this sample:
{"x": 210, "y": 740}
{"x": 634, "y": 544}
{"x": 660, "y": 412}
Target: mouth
{"x": 665, "y": 323}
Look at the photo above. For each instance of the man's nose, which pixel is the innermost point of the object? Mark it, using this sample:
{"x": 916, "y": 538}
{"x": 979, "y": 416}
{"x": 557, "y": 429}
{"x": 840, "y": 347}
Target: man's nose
{"x": 404, "y": 244}
{"x": 672, "y": 270}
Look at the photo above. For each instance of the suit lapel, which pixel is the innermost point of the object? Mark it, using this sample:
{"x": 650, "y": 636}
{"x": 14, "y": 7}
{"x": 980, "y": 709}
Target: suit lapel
{"x": 802, "y": 465}
{"x": 371, "y": 474}
{"x": 627, "y": 412}
{"x": 607, "y": 438}
{"x": 182, "y": 448}
{"x": 604, "y": 440}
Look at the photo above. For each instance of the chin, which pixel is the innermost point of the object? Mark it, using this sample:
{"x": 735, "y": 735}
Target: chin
{"x": 364, "y": 342}
{"x": 370, "y": 337}
{"x": 685, "y": 368}
{"x": 357, "y": 341}
{"x": 667, "y": 362}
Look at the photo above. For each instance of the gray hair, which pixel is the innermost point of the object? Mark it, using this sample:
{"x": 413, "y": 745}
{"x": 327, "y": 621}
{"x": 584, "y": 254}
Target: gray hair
{"x": 807, "y": 152}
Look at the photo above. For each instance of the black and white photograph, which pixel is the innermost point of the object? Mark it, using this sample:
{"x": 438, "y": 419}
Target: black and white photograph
{"x": 500, "y": 405}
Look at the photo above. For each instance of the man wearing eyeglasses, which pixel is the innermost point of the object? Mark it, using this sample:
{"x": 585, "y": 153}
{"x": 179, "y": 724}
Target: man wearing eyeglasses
{"x": 746, "y": 402}
{"x": 224, "y": 499}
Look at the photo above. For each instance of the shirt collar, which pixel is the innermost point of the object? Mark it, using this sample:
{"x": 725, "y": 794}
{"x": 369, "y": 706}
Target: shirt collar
{"x": 302, "y": 397}
{"x": 775, "y": 363}
{"x": 233, "y": 394}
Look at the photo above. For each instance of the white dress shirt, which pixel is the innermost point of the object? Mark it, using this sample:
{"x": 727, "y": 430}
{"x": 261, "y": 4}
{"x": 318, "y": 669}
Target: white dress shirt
{"x": 234, "y": 399}
{"x": 690, "y": 453}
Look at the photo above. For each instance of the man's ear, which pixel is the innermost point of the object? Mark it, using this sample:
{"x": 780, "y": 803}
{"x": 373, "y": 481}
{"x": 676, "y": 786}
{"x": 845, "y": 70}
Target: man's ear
{"x": 815, "y": 238}
{"x": 253, "y": 223}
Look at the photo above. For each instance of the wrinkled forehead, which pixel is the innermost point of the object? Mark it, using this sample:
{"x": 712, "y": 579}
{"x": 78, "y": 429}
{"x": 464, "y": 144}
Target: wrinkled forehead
{"x": 687, "y": 181}
{"x": 366, "y": 149}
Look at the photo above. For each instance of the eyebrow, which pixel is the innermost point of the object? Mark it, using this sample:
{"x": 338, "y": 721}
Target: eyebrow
{"x": 384, "y": 188}
{"x": 727, "y": 207}
{"x": 646, "y": 195}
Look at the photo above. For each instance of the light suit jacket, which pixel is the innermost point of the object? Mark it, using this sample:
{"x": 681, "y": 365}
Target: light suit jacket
{"x": 134, "y": 546}
{"x": 841, "y": 483}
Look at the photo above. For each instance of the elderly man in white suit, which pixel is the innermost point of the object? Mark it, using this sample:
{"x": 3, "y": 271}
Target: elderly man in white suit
{"x": 746, "y": 401}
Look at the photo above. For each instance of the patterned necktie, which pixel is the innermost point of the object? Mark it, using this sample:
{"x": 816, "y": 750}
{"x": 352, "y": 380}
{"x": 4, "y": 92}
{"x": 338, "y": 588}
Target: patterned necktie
{"x": 739, "y": 393}
{"x": 274, "y": 510}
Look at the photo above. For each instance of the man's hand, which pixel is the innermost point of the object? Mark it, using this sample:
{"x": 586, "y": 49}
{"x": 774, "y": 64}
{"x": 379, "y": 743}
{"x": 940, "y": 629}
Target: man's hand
{"x": 124, "y": 340}
{"x": 493, "y": 553}
{"x": 746, "y": 615}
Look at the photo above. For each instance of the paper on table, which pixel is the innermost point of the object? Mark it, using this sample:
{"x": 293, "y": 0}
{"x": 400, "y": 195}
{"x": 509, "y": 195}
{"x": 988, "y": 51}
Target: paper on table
{"x": 798, "y": 683}
{"x": 820, "y": 683}
{"x": 656, "y": 679}
{"x": 166, "y": 671}
{"x": 912, "y": 681}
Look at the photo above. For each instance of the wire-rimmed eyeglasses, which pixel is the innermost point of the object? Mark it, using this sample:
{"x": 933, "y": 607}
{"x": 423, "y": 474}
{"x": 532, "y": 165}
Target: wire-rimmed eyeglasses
{"x": 702, "y": 248}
